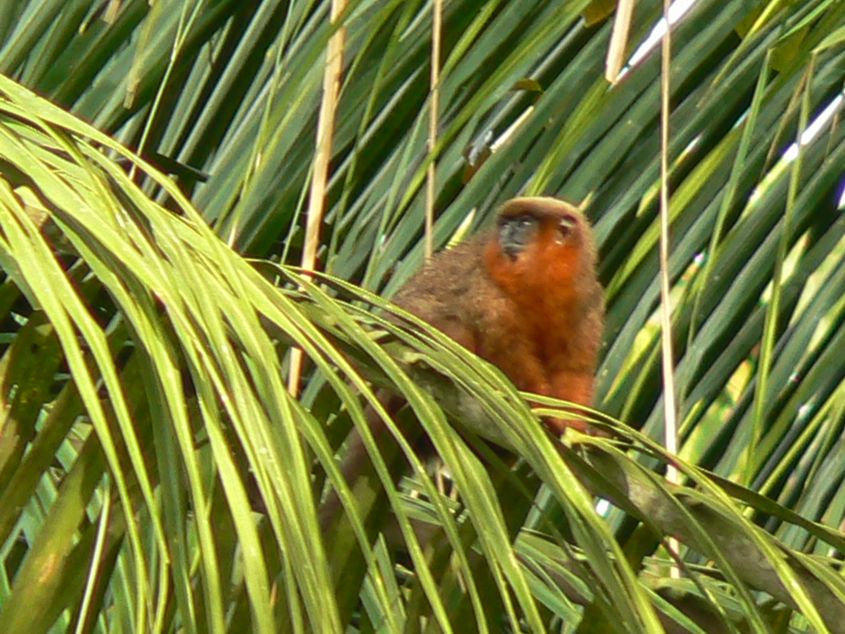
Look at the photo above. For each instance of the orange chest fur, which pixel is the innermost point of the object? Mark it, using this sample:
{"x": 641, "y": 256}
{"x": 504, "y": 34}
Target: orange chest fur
{"x": 543, "y": 292}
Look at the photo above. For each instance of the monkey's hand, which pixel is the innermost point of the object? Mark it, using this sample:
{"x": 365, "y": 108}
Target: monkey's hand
{"x": 559, "y": 425}
{"x": 575, "y": 387}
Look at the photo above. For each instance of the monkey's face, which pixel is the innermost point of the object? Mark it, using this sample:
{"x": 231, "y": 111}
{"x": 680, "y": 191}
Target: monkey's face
{"x": 535, "y": 229}
{"x": 516, "y": 233}
{"x": 539, "y": 242}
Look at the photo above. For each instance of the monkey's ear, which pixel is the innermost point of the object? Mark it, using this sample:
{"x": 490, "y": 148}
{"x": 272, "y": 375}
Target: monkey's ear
{"x": 564, "y": 228}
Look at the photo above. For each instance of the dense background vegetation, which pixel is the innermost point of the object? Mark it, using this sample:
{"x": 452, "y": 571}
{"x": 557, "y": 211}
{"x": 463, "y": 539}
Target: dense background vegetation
{"x": 156, "y": 475}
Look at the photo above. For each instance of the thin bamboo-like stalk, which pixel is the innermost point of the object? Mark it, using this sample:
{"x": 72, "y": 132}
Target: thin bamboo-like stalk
{"x": 436, "y": 28}
{"x": 320, "y": 177}
{"x": 619, "y": 40}
{"x": 111, "y": 12}
{"x": 670, "y": 411}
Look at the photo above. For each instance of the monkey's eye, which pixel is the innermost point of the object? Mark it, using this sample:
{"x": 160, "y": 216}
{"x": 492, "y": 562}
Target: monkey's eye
{"x": 520, "y": 222}
{"x": 564, "y": 228}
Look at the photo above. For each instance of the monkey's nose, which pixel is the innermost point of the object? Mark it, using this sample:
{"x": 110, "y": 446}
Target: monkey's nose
{"x": 510, "y": 242}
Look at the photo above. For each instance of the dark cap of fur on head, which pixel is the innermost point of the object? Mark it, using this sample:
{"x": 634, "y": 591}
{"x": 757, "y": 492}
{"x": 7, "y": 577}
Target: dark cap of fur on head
{"x": 541, "y": 207}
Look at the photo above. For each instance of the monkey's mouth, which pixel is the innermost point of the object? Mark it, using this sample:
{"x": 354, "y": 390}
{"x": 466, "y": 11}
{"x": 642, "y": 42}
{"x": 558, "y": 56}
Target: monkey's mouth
{"x": 511, "y": 252}
{"x": 511, "y": 246}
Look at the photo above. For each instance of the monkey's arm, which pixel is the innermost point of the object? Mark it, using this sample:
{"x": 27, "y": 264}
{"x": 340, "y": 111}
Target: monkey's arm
{"x": 514, "y": 355}
{"x": 572, "y": 375}
{"x": 575, "y": 386}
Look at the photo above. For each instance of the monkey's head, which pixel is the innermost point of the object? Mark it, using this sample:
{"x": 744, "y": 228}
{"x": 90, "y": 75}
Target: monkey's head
{"x": 541, "y": 244}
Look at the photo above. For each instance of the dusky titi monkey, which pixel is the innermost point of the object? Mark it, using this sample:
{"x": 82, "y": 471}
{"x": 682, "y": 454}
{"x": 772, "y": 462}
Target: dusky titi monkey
{"x": 524, "y": 296}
